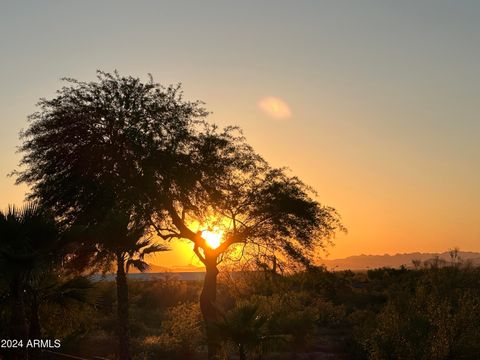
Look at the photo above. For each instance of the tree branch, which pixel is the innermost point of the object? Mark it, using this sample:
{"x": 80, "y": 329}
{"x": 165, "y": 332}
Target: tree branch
{"x": 199, "y": 255}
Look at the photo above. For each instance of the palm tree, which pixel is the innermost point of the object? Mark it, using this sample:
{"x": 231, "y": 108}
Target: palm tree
{"x": 118, "y": 240}
{"x": 244, "y": 326}
{"x": 131, "y": 254}
{"x": 53, "y": 287}
{"x": 26, "y": 235}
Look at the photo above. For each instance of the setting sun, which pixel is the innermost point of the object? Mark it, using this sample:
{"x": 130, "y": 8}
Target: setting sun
{"x": 213, "y": 238}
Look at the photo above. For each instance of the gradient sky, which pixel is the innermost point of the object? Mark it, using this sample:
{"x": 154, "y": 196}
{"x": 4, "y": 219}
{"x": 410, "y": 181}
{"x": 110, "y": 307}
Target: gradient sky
{"x": 383, "y": 96}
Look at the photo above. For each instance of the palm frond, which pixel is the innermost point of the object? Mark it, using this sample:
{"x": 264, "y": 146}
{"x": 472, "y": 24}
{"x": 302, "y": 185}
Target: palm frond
{"x": 140, "y": 265}
{"x": 153, "y": 249}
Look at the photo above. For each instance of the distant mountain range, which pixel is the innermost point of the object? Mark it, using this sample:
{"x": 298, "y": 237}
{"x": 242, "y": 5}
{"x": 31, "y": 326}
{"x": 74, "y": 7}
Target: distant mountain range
{"x": 357, "y": 262}
{"x": 363, "y": 262}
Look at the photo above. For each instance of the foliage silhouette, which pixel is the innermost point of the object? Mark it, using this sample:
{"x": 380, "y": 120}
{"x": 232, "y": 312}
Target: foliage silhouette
{"x": 244, "y": 326}
{"x": 113, "y": 157}
{"x": 28, "y": 241}
{"x": 259, "y": 208}
{"x": 89, "y": 150}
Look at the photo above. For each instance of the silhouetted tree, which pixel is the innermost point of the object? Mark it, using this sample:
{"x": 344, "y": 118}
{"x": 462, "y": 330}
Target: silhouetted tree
{"x": 254, "y": 205}
{"x": 93, "y": 148}
{"x": 455, "y": 256}
{"x": 28, "y": 238}
{"x": 416, "y": 263}
{"x": 116, "y": 240}
{"x": 133, "y": 147}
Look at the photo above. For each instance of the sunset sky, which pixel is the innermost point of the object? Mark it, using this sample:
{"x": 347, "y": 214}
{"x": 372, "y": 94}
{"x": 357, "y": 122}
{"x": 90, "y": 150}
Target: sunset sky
{"x": 376, "y": 104}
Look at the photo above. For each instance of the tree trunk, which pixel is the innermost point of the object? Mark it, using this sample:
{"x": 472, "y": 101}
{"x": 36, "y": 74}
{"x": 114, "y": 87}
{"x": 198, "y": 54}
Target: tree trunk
{"x": 122, "y": 310}
{"x": 18, "y": 320}
{"x": 241, "y": 351}
{"x": 208, "y": 309}
{"x": 35, "y": 330}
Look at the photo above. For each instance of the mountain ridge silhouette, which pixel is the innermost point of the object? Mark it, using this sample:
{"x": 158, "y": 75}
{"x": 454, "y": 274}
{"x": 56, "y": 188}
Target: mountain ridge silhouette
{"x": 364, "y": 262}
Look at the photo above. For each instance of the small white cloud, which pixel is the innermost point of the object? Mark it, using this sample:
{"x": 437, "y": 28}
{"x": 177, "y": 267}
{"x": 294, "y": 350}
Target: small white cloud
{"x": 275, "y": 107}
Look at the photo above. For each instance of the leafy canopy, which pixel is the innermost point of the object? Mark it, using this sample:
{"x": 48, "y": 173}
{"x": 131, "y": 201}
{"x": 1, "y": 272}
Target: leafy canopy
{"x": 96, "y": 144}
{"x": 256, "y": 206}
{"x": 124, "y": 153}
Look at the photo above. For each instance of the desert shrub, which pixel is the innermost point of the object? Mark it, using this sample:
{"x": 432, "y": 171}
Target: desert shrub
{"x": 63, "y": 323}
{"x": 290, "y": 313}
{"x": 163, "y": 293}
{"x": 180, "y": 337}
{"x": 244, "y": 327}
{"x": 295, "y": 305}
{"x": 329, "y": 314}
{"x": 438, "y": 319}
